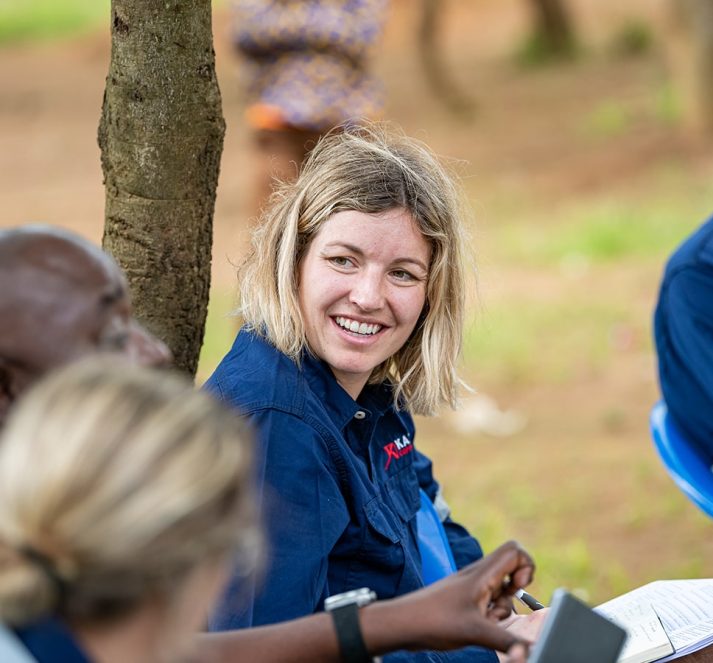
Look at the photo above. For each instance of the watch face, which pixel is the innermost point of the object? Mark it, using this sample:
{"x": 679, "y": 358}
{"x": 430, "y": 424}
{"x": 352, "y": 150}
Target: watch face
{"x": 360, "y": 597}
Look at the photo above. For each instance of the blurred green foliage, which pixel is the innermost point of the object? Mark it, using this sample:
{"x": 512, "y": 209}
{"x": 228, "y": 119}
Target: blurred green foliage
{"x": 221, "y": 327}
{"x": 26, "y": 20}
{"x": 35, "y": 20}
{"x": 633, "y": 37}
{"x": 667, "y": 105}
{"x": 514, "y": 341}
{"x": 605, "y": 230}
{"x": 536, "y": 51}
{"x": 609, "y": 119}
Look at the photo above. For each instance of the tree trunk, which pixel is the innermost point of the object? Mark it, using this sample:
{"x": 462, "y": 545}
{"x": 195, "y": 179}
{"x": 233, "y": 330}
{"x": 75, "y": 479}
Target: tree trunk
{"x": 691, "y": 50}
{"x": 161, "y": 138}
{"x": 437, "y": 74}
{"x": 553, "y": 27}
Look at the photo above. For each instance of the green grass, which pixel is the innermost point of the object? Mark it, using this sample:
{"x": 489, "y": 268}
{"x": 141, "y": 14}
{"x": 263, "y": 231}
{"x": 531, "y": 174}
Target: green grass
{"x": 633, "y": 38}
{"x": 39, "y": 20}
{"x": 536, "y": 51}
{"x": 667, "y": 105}
{"x": 32, "y": 20}
{"x": 605, "y": 231}
{"x": 571, "y": 328}
{"x": 219, "y": 334}
{"x": 526, "y": 341}
{"x": 609, "y": 119}
{"x": 564, "y": 558}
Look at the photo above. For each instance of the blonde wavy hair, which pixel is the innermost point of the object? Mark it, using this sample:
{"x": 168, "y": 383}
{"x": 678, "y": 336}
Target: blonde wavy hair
{"x": 115, "y": 483}
{"x": 370, "y": 169}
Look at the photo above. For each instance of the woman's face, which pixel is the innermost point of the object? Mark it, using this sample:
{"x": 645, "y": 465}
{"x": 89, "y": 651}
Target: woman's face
{"x": 362, "y": 287}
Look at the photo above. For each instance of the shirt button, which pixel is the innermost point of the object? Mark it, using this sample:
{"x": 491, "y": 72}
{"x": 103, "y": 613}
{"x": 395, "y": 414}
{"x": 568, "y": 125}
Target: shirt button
{"x": 359, "y": 414}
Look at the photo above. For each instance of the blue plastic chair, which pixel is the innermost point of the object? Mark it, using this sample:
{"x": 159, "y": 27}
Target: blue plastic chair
{"x": 682, "y": 459}
{"x": 436, "y": 556}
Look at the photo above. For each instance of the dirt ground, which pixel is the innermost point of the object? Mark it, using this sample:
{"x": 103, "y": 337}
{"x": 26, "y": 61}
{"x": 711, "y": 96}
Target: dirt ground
{"x": 524, "y": 143}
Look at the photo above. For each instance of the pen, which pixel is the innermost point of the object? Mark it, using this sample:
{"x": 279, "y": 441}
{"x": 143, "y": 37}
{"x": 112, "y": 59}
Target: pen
{"x": 529, "y": 600}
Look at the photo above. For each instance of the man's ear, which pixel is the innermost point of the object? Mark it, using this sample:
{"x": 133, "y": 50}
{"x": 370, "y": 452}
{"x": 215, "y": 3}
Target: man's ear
{"x": 7, "y": 391}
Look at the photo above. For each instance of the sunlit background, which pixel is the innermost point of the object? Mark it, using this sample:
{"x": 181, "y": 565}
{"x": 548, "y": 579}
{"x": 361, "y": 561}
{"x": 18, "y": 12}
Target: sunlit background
{"x": 581, "y": 179}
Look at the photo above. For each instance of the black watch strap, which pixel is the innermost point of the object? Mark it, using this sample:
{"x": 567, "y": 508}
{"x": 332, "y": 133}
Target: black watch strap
{"x": 351, "y": 643}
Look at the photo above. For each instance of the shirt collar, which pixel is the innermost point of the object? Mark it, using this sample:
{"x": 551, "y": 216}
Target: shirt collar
{"x": 373, "y": 401}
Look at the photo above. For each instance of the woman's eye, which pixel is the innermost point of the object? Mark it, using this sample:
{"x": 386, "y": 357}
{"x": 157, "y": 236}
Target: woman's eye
{"x": 403, "y": 275}
{"x": 340, "y": 261}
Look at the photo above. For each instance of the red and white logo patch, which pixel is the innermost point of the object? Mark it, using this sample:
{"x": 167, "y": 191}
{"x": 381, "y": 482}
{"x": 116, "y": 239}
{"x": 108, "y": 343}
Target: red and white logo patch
{"x": 397, "y": 449}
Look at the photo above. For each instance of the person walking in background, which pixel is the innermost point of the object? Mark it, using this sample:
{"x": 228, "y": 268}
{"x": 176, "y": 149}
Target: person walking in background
{"x": 305, "y": 70}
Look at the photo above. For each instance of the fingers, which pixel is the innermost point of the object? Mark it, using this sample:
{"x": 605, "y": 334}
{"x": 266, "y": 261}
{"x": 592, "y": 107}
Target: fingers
{"x": 509, "y": 560}
{"x": 525, "y": 566}
{"x": 500, "y": 607}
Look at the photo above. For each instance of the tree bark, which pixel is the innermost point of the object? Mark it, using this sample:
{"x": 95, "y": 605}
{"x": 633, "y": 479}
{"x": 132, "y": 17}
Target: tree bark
{"x": 691, "y": 51}
{"x": 161, "y": 138}
{"x": 553, "y": 26}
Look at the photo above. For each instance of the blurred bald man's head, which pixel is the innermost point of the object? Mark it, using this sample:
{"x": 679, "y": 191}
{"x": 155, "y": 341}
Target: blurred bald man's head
{"x": 61, "y": 299}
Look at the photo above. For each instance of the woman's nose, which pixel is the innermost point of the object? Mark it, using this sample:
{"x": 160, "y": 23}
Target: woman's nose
{"x": 367, "y": 292}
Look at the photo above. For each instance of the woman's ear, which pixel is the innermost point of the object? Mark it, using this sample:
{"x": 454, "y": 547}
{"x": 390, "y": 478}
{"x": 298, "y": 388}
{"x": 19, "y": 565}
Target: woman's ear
{"x": 15, "y": 379}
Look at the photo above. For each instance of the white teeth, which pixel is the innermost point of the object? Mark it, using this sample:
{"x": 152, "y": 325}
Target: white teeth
{"x": 353, "y": 326}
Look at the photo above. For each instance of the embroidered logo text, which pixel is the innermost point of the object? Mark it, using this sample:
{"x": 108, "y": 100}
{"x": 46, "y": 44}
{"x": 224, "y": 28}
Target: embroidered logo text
{"x": 397, "y": 449}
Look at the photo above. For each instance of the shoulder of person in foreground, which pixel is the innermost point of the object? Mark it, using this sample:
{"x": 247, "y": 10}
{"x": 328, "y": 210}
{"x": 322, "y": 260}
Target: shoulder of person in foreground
{"x": 683, "y": 332}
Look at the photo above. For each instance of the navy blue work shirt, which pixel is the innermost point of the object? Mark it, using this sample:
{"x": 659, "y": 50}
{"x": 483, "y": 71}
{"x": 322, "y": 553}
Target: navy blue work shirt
{"x": 338, "y": 481}
{"x": 683, "y": 330}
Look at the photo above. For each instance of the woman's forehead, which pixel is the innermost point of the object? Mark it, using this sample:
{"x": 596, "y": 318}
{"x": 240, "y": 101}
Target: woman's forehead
{"x": 363, "y": 229}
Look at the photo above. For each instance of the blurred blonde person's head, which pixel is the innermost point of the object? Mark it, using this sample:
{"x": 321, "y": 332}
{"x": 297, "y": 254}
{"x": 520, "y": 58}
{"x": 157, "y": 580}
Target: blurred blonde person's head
{"x": 370, "y": 169}
{"x": 119, "y": 486}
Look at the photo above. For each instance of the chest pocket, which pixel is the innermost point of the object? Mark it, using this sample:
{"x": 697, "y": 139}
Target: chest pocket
{"x": 388, "y": 560}
{"x": 391, "y": 512}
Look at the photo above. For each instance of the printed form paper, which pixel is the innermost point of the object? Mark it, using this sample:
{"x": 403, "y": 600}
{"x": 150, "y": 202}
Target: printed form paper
{"x": 685, "y": 608}
{"x": 647, "y": 639}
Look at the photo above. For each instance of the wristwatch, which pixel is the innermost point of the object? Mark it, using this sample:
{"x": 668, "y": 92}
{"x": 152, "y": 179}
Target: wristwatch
{"x": 344, "y": 609}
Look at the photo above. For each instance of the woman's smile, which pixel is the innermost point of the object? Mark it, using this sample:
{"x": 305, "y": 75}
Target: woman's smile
{"x": 355, "y": 327}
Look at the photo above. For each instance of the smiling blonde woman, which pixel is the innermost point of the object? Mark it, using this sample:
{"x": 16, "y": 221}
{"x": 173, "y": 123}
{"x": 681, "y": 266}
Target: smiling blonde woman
{"x": 353, "y": 304}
